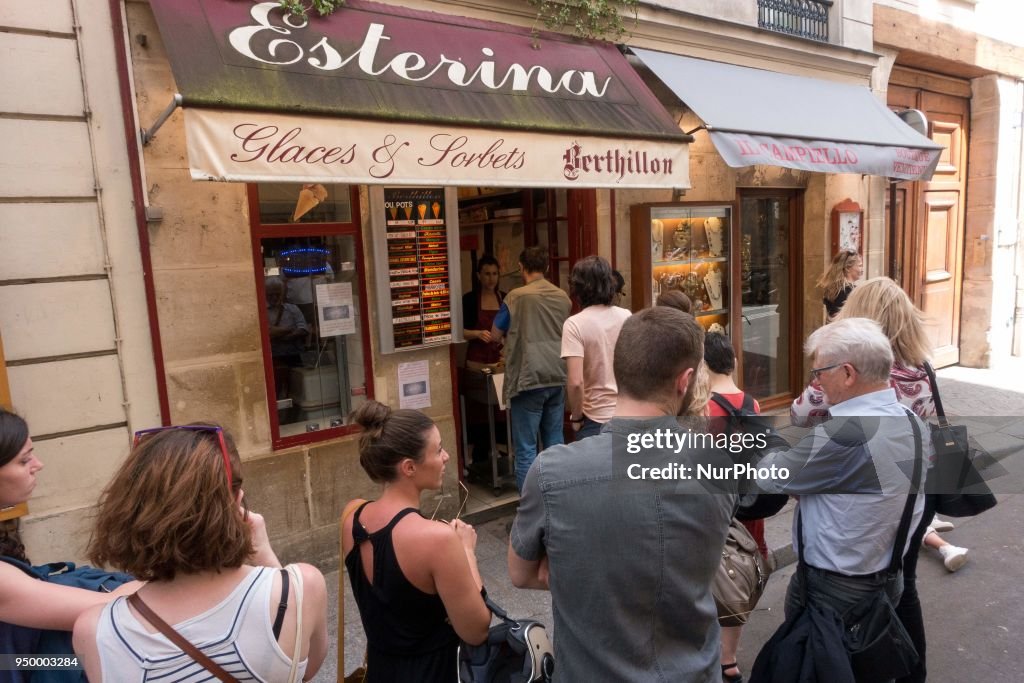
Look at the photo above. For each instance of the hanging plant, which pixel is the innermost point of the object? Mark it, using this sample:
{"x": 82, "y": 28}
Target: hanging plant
{"x": 601, "y": 19}
{"x": 300, "y": 8}
{"x": 598, "y": 19}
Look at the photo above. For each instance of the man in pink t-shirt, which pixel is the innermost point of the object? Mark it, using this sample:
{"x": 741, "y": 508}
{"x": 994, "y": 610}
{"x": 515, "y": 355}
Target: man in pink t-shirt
{"x": 588, "y": 346}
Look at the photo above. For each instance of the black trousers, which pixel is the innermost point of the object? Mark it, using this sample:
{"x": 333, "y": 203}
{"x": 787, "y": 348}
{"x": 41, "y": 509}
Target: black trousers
{"x": 909, "y": 607}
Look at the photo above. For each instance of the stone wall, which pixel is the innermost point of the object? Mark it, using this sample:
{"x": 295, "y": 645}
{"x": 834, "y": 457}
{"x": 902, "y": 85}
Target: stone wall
{"x": 72, "y": 302}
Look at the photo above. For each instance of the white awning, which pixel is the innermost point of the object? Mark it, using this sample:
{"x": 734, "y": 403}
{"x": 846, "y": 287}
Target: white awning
{"x": 763, "y": 117}
{"x": 269, "y": 147}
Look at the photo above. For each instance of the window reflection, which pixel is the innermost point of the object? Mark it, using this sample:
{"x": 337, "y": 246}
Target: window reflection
{"x": 310, "y": 203}
{"x": 767, "y": 305}
{"x": 314, "y": 328}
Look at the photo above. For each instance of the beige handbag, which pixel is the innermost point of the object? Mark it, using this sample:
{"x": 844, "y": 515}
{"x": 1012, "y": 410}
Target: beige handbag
{"x": 741, "y": 577}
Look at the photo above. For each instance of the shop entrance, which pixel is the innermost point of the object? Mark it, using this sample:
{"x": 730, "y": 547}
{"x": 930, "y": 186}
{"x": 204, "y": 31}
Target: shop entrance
{"x": 770, "y": 322}
{"x": 499, "y": 223}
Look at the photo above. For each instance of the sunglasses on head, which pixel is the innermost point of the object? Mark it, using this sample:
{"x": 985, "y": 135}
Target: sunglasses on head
{"x": 219, "y": 431}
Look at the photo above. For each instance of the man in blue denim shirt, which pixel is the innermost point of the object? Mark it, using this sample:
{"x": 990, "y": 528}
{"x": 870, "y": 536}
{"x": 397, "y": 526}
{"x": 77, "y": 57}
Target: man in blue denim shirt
{"x": 629, "y": 560}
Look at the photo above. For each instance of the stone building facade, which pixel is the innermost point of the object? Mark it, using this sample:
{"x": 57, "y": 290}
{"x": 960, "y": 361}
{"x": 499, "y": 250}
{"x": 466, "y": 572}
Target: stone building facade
{"x": 104, "y": 334}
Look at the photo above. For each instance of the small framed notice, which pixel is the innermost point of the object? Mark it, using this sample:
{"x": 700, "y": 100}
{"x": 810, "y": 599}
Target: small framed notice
{"x": 414, "y": 385}
{"x": 848, "y": 227}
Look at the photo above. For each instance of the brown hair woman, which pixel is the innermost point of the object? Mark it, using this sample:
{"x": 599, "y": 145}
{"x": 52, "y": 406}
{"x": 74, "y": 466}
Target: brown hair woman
{"x": 415, "y": 580}
{"x": 173, "y": 516}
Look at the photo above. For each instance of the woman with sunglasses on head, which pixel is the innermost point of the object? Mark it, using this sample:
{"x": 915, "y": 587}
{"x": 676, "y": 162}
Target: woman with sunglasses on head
{"x": 173, "y": 516}
{"x": 415, "y": 580}
{"x": 26, "y": 601}
{"x": 882, "y": 300}
{"x": 838, "y": 280}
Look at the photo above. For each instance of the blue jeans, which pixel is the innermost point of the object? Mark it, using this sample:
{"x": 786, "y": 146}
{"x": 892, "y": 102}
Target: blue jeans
{"x": 532, "y": 411}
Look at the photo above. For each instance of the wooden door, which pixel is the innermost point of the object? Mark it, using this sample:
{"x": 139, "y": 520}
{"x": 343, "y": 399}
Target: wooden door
{"x": 930, "y": 220}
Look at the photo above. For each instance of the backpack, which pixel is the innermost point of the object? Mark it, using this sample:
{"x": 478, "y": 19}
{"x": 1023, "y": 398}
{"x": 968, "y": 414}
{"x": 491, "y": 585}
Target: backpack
{"x": 47, "y": 642}
{"x": 753, "y": 504}
{"x": 516, "y": 651}
{"x": 743, "y": 419}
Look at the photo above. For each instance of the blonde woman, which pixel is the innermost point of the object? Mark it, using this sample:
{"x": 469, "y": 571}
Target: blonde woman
{"x": 836, "y": 282}
{"x": 882, "y": 300}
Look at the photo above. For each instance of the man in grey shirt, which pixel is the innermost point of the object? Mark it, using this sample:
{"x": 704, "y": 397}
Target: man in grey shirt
{"x": 628, "y": 560}
{"x": 851, "y": 474}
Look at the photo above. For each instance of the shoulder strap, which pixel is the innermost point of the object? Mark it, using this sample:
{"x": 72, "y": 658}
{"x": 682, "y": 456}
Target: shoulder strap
{"x": 349, "y": 509}
{"x": 748, "y": 403}
{"x": 896, "y": 560}
{"x": 725, "y": 405}
{"x": 935, "y": 394}
{"x": 188, "y": 648}
{"x": 297, "y": 652}
{"x": 23, "y": 566}
{"x": 282, "y": 606}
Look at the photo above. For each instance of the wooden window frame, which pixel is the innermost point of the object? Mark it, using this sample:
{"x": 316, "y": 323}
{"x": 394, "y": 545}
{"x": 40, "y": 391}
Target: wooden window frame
{"x": 260, "y": 231}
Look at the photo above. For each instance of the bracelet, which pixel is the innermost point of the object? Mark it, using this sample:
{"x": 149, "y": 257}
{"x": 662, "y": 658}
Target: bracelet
{"x": 577, "y": 422}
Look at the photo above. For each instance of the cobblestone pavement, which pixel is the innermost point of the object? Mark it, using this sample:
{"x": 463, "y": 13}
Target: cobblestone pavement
{"x": 996, "y": 557}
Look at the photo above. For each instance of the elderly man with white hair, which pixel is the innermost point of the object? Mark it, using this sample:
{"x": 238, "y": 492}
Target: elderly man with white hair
{"x": 847, "y": 471}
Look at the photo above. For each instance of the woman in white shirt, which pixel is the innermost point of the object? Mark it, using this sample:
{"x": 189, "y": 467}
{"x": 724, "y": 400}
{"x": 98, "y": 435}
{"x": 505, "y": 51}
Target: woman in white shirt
{"x": 173, "y": 516}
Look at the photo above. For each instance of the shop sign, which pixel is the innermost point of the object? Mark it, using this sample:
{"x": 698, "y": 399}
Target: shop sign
{"x": 742, "y": 149}
{"x": 386, "y": 62}
{"x": 265, "y": 147}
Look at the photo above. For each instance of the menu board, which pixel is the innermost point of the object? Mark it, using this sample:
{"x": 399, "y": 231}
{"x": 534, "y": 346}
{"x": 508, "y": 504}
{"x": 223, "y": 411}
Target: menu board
{"x": 418, "y": 277}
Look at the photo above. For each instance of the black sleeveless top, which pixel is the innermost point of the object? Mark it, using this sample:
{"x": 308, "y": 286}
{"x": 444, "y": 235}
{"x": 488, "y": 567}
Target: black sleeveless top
{"x": 408, "y": 634}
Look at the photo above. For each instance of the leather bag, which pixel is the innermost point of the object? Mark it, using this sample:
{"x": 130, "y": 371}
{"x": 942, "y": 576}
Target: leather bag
{"x": 956, "y": 470}
{"x": 741, "y": 577}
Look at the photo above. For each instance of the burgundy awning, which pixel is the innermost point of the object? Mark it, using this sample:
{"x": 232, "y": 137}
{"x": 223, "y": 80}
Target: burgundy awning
{"x": 370, "y": 66}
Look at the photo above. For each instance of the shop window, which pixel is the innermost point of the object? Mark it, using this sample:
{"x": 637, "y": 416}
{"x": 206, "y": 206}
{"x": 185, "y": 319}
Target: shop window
{"x": 310, "y": 276}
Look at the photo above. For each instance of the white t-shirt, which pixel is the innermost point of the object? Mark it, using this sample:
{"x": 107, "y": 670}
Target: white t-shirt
{"x": 591, "y": 334}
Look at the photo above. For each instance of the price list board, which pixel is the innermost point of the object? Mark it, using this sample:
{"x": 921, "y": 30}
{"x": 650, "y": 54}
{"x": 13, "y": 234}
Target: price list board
{"x": 418, "y": 277}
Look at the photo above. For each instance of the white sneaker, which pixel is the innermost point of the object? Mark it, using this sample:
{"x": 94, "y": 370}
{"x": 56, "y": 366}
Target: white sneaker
{"x": 941, "y": 525}
{"x": 953, "y": 557}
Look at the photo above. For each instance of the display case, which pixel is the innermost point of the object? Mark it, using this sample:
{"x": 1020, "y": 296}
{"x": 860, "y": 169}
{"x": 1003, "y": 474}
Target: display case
{"x": 688, "y": 248}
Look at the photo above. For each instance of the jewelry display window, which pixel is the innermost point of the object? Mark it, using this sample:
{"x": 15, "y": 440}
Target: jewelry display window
{"x": 689, "y": 252}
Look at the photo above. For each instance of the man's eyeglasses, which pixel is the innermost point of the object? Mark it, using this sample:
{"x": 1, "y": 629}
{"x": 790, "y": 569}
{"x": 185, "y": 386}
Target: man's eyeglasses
{"x": 219, "y": 431}
{"x": 816, "y": 372}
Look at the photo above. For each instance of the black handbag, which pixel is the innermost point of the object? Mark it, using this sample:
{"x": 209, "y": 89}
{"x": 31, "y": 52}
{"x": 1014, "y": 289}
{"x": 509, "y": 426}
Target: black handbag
{"x": 516, "y": 651}
{"x": 955, "y": 469}
{"x": 880, "y": 647}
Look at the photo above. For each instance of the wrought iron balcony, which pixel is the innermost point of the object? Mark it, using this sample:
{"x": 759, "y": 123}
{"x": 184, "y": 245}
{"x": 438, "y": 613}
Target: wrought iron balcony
{"x": 803, "y": 18}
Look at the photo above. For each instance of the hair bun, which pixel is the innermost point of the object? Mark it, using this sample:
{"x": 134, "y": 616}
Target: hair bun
{"x": 371, "y": 416}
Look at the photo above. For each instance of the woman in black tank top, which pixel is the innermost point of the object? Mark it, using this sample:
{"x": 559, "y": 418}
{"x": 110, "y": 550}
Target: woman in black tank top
{"x": 415, "y": 581}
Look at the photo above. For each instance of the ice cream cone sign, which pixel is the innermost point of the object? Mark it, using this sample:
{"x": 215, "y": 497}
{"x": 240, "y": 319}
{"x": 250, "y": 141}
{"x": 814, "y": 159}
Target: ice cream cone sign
{"x": 310, "y": 197}
{"x": 421, "y": 209}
